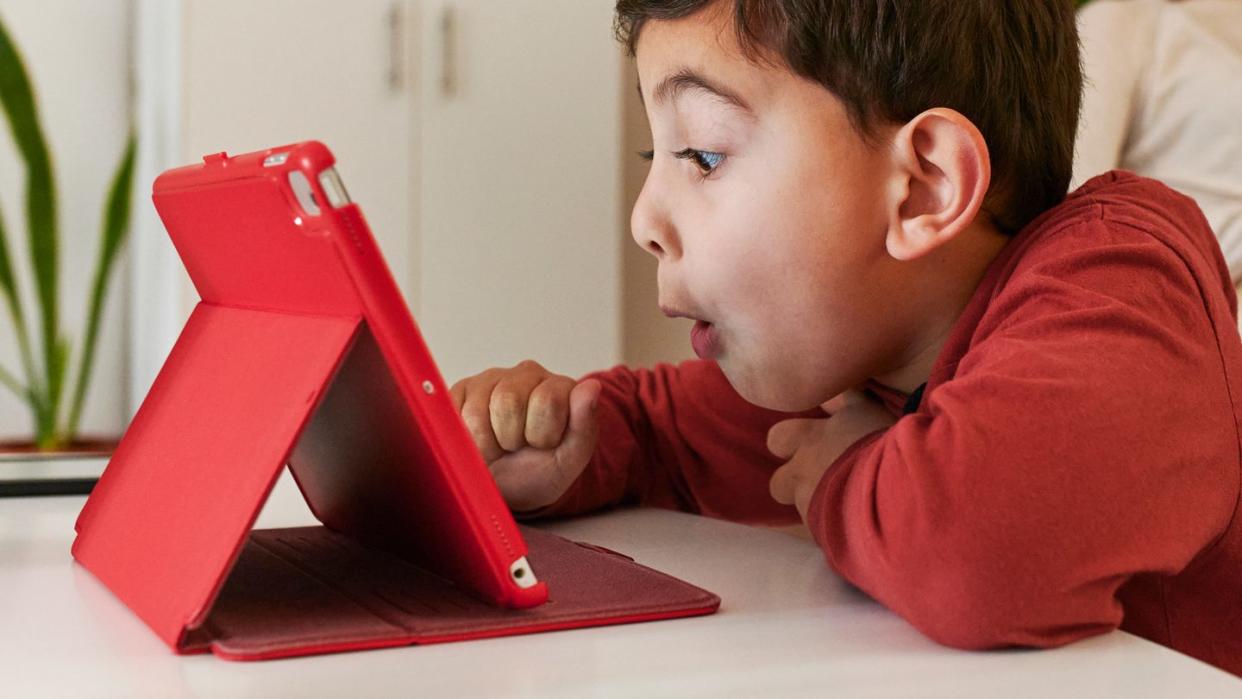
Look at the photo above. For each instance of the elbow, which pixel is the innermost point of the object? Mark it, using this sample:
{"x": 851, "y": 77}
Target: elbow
{"x": 977, "y": 608}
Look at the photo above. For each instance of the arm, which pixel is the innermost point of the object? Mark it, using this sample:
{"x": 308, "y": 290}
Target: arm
{"x": 1087, "y": 437}
{"x": 679, "y": 437}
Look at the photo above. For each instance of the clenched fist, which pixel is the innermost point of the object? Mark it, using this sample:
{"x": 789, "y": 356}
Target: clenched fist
{"x": 536, "y": 430}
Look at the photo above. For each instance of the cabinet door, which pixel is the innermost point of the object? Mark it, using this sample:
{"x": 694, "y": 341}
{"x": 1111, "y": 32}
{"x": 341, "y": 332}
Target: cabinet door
{"x": 240, "y": 75}
{"x": 520, "y": 184}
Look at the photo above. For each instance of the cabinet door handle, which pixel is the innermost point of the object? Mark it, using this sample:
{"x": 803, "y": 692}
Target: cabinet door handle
{"x": 396, "y": 46}
{"x": 448, "y": 51}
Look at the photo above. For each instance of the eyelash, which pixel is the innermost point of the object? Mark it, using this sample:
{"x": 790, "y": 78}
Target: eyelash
{"x": 706, "y": 161}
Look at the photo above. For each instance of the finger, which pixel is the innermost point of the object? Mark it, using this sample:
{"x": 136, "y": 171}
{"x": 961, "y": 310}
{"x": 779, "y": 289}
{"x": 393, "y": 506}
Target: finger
{"x": 476, "y": 413}
{"x": 835, "y": 404}
{"x": 802, "y": 499}
{"x": 844, "y": 400}
{"x": 576, "y": 449}
{"x": 781, "y": 486}
{"x": 458, "y": 393}
{"x": 780, "y": 439}
{"x": 784, "y": 437}
{"x": 507, "y": 407}
{"x": 547, "y": 412}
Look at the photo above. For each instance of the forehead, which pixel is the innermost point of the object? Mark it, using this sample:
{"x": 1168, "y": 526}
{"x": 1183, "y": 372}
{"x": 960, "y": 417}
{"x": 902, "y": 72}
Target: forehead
{"x": 705, "y": 44}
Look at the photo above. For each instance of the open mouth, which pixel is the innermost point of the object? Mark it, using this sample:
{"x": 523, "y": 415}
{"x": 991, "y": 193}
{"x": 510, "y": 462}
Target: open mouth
{"x": 704, "y": 337}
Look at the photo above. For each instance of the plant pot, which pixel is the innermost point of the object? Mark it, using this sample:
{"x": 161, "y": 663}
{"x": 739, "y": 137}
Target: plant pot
{"x": 25, "y": 471}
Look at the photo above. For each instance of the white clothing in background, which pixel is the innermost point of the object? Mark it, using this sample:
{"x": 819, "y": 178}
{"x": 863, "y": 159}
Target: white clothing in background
{"x": 1163, "y": 98}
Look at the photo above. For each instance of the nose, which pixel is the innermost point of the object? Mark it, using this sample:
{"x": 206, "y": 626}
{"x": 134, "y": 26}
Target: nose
{"x": 650, "y": 224}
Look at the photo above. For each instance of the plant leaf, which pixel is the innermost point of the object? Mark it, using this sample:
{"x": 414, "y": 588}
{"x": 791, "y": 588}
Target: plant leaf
{"x": 18, "y": 102}
{"x": 115, "y": 227}
{"x": 8, "y": 282}
{"x": 13, "y": 301}
{"x": 10, "y": 381}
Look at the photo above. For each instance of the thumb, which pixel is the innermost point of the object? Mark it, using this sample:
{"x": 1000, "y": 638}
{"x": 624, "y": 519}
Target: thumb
{"x": 785, "y": 437}
{"x": 578, "y": 444}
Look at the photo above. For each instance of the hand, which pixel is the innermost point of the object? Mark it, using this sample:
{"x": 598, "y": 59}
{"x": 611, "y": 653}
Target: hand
{"x": 810, "y": 446}
{"x": 536, "y": 430}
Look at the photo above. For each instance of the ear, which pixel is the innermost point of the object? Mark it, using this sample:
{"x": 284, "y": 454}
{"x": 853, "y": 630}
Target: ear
{"x": 941, "y": 172}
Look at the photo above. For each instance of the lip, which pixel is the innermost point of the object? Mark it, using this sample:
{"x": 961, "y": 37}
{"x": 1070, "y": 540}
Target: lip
{"x": 672, "y": 312}
{"x": 704, "y": 337}
{"x": 705, "y": 340}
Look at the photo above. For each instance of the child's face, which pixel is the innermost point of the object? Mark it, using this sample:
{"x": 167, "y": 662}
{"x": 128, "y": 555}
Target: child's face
{"x": 772, "y": 228}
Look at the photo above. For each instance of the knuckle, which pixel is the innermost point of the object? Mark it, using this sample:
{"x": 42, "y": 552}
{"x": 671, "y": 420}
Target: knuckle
{"x": 546, "y": 408}
{"x": 479, "y": 426}
{"x": 543, "y": 429}
{"x": 528, "y": 366}
{"x": 506, "y": 404}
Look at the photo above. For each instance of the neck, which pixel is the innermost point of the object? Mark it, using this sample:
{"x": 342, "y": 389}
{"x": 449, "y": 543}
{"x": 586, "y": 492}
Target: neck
{"x": 950, "y": 277}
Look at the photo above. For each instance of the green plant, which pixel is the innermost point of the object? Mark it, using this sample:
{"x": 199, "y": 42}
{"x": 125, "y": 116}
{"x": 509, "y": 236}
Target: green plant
{"x": 45, "y": 375}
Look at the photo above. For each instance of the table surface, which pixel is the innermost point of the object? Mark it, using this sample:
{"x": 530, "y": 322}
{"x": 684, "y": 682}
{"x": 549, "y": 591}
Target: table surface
{"x": 787, "y": 627}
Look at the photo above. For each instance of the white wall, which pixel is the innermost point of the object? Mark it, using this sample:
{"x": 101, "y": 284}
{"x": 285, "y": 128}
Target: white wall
{"x": 77, "y": 54}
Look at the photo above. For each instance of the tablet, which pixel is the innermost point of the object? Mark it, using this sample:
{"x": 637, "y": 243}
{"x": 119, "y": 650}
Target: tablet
{"x": 303, "y": 352}
{"x": 386, "y": 457}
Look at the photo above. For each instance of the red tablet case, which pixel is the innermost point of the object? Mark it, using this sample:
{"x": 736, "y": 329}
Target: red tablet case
{"x": 301, "y": 351}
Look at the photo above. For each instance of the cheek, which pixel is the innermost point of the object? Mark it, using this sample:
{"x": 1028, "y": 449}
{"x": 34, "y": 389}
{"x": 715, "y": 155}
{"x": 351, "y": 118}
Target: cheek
{"x": 798, "y": 279}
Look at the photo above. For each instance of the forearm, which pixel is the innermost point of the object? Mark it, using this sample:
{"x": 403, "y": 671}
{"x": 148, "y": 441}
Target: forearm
{"x": 982, "y": 542}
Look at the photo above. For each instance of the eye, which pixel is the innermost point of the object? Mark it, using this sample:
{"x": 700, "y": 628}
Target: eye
{"x": 706, "y": 161}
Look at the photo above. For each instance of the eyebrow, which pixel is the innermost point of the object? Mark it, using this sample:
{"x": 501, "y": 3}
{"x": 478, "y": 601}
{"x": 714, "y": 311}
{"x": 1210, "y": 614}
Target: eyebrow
{"x": 686, "y": 80}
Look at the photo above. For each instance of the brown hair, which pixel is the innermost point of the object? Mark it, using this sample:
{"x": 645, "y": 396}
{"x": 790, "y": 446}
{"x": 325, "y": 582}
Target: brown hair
{"x": 1011, "y": 67}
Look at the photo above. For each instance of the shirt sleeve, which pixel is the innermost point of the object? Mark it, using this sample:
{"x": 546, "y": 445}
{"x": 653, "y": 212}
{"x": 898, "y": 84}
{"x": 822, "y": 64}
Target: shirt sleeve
{"x": 679, "y": 437}
{"x": 1116, "y": 38}
{"x": 1086, "y": 437}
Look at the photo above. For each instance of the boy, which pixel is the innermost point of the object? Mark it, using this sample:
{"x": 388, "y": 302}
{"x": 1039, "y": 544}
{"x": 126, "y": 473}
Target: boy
{"x": 1016, "y": 411}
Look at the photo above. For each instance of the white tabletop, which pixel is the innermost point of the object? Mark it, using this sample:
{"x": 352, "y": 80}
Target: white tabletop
{"x": 787, "y": 626}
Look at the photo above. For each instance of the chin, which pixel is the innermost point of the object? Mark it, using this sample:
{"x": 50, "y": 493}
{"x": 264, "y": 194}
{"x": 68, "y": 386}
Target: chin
{"x": 764, "y": 390}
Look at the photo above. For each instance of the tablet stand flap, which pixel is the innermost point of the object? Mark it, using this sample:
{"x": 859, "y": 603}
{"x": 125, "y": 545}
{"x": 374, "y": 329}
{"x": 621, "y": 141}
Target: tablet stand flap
{"x": 311, "y": 590}
{"x": 187, "y": 481}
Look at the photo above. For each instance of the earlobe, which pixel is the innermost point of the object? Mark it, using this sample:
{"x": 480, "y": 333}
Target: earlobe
{"x": 941, "y": 173}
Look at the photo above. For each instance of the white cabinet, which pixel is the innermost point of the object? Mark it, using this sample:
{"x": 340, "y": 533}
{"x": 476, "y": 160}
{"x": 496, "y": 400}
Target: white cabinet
{"x": 521, "y": 222}
{"x": 260, "y": 74}
{"x": 481, "y": 138}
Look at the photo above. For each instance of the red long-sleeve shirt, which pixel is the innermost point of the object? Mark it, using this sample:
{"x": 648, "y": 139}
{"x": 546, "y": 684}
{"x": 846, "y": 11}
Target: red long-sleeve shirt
{"x": 1073, "y": 465}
